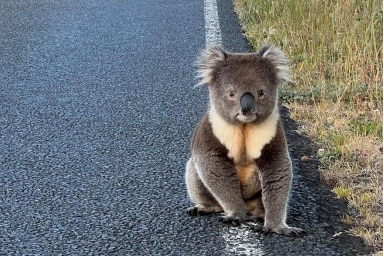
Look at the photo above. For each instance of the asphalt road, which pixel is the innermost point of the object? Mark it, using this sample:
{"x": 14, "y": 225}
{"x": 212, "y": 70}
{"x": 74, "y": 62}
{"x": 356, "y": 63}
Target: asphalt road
{"x": 97, "y": 107}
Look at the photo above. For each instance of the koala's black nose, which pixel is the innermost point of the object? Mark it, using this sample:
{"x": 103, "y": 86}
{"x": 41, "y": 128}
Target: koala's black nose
{"x": 248, "y": 104}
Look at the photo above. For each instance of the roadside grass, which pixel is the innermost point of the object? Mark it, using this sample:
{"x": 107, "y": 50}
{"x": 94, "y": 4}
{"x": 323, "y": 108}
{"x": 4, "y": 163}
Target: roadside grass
{"x": 335, "y": 48}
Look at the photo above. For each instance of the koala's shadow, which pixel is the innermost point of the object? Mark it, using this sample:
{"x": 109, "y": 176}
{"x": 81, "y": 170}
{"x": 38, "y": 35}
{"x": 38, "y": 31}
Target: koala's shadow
{"x": 312, "y": 205}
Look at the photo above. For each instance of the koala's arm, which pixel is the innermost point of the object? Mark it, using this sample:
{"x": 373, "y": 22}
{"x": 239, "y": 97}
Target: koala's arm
{"x": 217, "y": 172}
{"x": 276, "y": 176}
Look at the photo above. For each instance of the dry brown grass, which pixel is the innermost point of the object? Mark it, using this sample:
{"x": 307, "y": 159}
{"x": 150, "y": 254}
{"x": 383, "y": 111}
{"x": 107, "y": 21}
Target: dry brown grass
{"x": 335, "y": 47}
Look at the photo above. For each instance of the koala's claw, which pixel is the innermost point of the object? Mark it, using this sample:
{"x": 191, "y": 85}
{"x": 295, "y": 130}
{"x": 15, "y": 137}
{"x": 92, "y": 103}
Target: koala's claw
{"x": 237, "y": 220}
{"x": 192, "y": 211}
{"x": 195, "y": 211}
{"x": 297, "y": 232}
{"x": 231, "y": 221}
{"x": 286, "y": 231}
{"x": 258, "y": 228}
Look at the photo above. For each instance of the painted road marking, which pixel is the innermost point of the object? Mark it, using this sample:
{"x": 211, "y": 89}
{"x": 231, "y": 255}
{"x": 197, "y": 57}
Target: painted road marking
{"x": 212, "y": 24}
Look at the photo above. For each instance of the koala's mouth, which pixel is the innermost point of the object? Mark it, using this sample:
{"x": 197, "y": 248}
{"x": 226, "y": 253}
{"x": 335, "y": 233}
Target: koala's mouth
{"x": 246, "y": 118}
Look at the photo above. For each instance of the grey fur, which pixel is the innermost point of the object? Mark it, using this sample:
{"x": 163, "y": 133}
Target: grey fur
{"x": 239, "y": 159}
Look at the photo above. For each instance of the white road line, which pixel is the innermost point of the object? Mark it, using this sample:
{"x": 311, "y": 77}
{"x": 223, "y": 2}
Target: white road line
{"x": 212, "y": 25}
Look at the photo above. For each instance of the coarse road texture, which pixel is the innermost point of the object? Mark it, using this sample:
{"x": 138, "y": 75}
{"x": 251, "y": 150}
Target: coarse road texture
{"x": 97, "y": 107}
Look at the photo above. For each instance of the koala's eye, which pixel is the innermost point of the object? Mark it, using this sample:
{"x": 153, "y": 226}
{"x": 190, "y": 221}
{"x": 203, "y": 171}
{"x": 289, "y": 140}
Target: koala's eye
{"x": 261, "y": 93}
{"x": 231, "y": 94}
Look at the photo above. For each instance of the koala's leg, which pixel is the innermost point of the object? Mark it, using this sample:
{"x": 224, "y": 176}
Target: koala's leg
{"x": 219, "y": 176}
{"x": 199, "y": 194}
{"x": 276, "y": 182}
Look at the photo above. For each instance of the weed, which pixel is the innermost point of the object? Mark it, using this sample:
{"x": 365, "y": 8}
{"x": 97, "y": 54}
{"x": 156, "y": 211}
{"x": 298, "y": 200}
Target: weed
{"x": 342, "y": 192}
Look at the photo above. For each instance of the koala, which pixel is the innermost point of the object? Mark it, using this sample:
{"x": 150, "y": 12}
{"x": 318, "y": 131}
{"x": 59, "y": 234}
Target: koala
{"x": 239, "y": 160}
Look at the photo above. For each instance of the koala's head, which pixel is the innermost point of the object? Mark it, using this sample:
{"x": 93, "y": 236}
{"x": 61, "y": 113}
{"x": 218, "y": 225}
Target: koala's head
{"x": 243, "y": 86}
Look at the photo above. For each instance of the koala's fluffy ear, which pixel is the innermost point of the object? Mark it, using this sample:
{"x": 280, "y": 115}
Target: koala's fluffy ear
{"x": 207, "y": 62}
{"x": 277, "y": 58}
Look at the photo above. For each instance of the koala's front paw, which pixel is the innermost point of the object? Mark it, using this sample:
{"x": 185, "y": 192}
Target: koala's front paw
{"x": 281, "y": 230}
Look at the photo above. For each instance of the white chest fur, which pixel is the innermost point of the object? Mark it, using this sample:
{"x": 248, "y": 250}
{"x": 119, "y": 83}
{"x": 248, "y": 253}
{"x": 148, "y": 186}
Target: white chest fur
{"x": 244, "y": 143}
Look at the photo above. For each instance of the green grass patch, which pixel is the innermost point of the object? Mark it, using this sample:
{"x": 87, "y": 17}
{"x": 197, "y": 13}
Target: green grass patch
{"x": 363, "y": 127}
{"x": 342, "y": 192}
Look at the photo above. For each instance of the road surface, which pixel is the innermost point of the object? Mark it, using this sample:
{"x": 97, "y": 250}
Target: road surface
{"x": 97, "y": 107}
